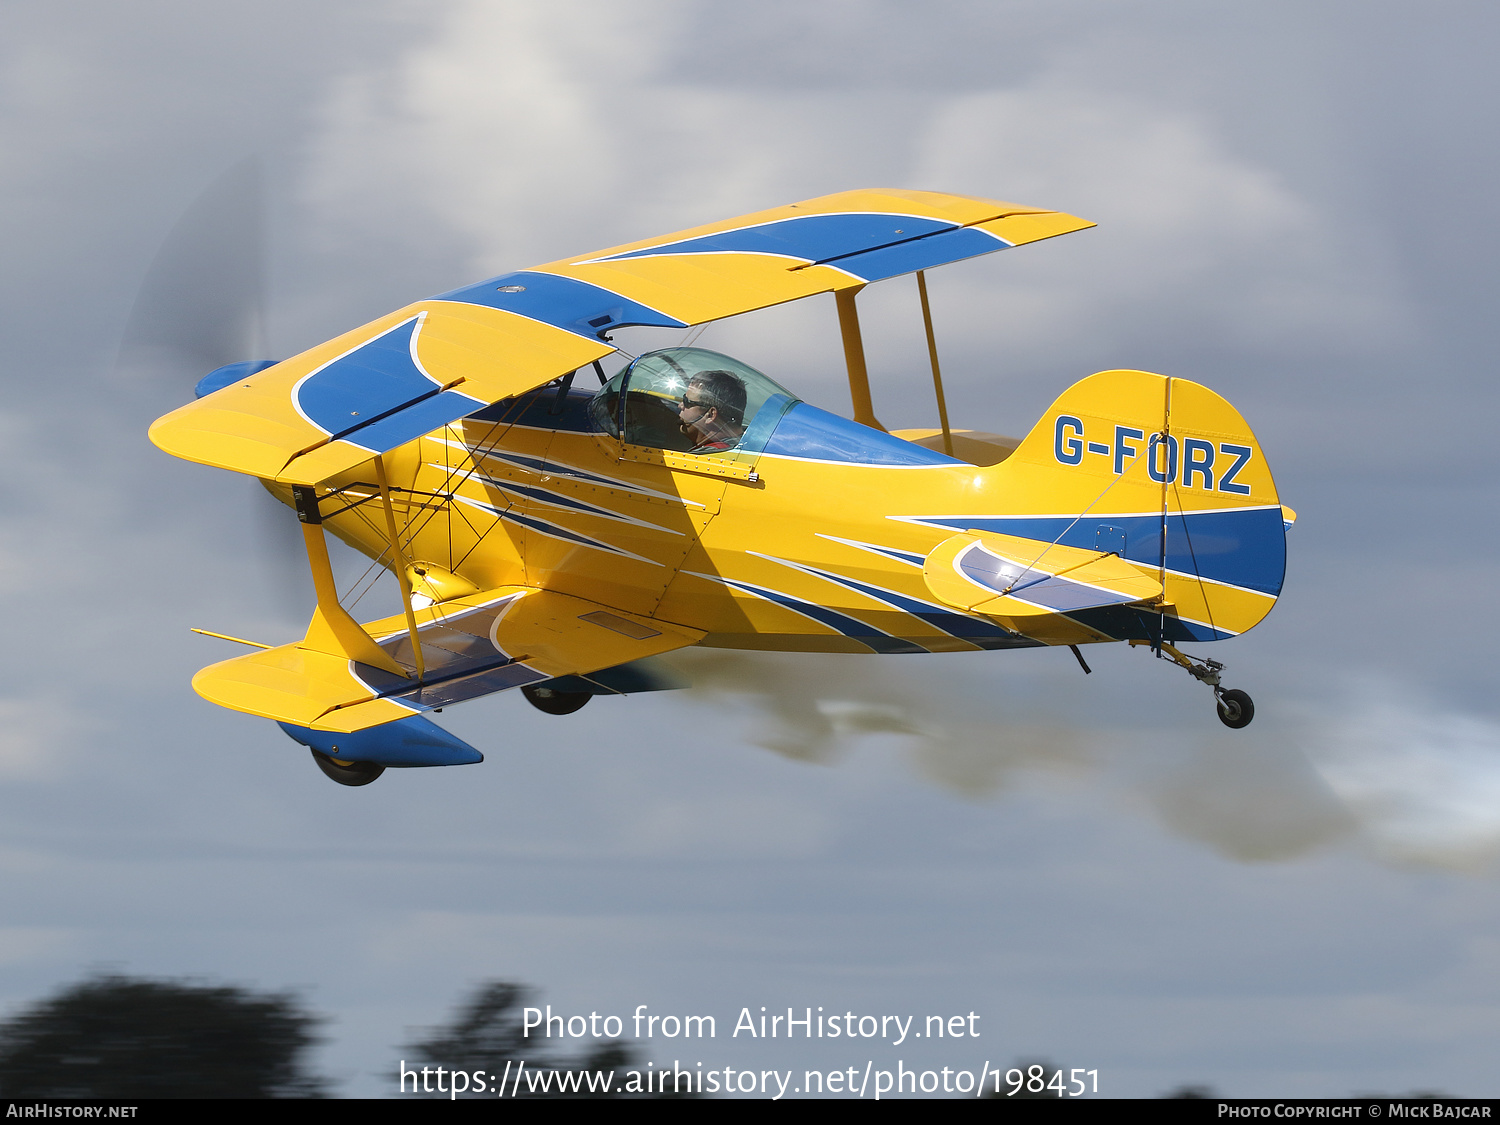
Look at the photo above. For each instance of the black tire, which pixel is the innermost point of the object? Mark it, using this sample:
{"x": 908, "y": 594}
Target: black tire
{"x": 348, "y": 773}
{"x": 555, "y": 702}
{"x": 1236, "y": 709}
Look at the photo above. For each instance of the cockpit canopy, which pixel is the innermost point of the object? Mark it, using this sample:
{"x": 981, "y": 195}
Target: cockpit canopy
{"x": 744, "y": 406}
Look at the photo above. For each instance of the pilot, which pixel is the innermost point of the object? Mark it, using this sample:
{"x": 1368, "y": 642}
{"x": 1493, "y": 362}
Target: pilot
{"x": 712, "y": 411}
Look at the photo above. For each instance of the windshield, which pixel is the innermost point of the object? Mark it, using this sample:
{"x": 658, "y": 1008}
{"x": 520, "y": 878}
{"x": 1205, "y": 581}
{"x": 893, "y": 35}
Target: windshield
{"x": 691, "y": 400}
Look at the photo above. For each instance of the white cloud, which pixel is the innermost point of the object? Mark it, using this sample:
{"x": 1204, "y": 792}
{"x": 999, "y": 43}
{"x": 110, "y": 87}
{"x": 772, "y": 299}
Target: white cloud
{"x": 538, "y": 132}
{"x": 516, "y": 124}
{"x": 1191, "y": 235}
{"x": 20, "y": 945}
{"x": 38, "y": 735}
{"x": 1425, "y": 783}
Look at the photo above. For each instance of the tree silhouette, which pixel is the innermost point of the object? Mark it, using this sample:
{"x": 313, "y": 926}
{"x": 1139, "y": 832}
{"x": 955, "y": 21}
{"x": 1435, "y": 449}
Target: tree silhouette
{"x": 122, "y": 1037}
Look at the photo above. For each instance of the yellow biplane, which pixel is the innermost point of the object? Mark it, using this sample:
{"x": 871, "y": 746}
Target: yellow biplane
{"x": 553, "y": 524}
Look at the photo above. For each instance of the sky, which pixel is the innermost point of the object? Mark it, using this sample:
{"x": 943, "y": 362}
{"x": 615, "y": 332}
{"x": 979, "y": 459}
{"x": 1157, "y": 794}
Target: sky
{"x": 1294, "y": 208}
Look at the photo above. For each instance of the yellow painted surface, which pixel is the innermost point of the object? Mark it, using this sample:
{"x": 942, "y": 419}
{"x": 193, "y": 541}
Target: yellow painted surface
{"x": 961, "y": 209}
{"x": 552, "y": 633}
{"x": 697, "y": 288}
{"x": 1020, "y": 229}
{"x": 977, "y": 447}
{"x": 734, "y": 549}
{"x": 289, "y": 683}
{"x": 253, "y": 426}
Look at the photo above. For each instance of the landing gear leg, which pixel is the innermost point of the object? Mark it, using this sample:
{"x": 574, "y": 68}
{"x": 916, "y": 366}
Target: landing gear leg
{"x": 1235, "y": 707}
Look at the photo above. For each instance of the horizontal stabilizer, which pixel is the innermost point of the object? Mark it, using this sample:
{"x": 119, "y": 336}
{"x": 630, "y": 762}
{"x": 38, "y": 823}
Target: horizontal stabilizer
{"x": 492, "y": 641}
{"x": 1008, "y": 576}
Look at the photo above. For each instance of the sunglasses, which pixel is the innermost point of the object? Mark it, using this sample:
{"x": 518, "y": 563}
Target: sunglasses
{"x": 699, "y": 403}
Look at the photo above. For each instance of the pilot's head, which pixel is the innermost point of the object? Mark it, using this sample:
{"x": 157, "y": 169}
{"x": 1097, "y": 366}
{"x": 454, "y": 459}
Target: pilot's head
{"x": 712, "y": 410}
{"x": 720, "y": 391}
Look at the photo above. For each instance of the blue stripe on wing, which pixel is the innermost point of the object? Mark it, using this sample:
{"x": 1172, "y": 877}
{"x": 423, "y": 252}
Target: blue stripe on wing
{"x": 498, "y": 674}
{"x": 809, "y": 238}
{"x": 921, "y": 254}
{"x": 462, "y": 661}
{"x": 378, "y": 396}
{"x": 563, "y": 302}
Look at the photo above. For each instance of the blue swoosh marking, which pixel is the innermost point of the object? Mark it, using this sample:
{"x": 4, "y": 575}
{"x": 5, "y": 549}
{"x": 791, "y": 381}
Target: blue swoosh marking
{"x": 954, "y": 624}
{"x": 553, "y": 468}
{"x": 809, "y": 238}
{"x": 921, "y": 254}
{"x": 563, "y": 302}
{"x": 874, "y": 638}
{"x": 546, "y": 528}
{"x": 1245, "y": 548}
{"x": 377, "y": 396}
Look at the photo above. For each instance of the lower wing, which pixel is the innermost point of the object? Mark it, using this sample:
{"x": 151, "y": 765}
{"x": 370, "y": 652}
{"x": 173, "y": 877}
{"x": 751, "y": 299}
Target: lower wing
{"x": 471, "y": 646}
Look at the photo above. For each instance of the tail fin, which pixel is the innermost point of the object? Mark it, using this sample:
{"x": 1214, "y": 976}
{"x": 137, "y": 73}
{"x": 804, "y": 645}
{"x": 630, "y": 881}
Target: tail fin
{"x": 1166, "y": 474}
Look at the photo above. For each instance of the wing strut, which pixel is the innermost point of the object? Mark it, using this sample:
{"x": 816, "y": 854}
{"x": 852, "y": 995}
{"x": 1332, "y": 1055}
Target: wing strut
{"x": 937, "y": 374}
{"x": 854, "y": 358}
{"x": 398, "y": 563}
{"x": 1164, "y": 451}
{"x": 332, "y": 629}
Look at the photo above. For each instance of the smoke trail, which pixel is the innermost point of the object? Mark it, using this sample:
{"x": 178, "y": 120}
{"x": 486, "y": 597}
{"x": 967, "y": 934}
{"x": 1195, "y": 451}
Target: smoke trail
{"x": 813, "y": 707}
{"x": 1413, "y": 782}
{"x": 1252, "y": 799}
{"x": 1424, "y": 783}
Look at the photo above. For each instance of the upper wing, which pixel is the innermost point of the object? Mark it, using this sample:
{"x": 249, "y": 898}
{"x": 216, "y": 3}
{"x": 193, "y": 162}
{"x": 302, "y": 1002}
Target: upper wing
{"x": 368, "y": 391}
{"x": 503, "y": 638}
{"x": 834, "y": 242}
{"x": 333, "y": 407}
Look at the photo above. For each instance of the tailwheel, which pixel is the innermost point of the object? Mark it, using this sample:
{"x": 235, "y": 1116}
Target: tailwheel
{"x": 348, "y": 773}
{"x": 1236, "y": 709}
{"x": 555, "y": 702}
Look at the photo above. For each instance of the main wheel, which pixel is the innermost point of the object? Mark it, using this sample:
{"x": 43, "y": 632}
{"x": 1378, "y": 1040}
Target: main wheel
{"x": 1235, "y": 708}
{"x": 348, "y": 773}
{"x": 555, "y": 702}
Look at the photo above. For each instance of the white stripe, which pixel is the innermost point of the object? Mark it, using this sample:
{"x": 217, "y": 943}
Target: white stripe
{"x": 642, "y": 251}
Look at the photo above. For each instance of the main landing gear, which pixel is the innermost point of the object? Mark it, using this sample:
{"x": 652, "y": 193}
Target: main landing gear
{"x": 1235, "y": 707}
{"x": 556, "y": 702}
{"x": 348, "y": 773}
